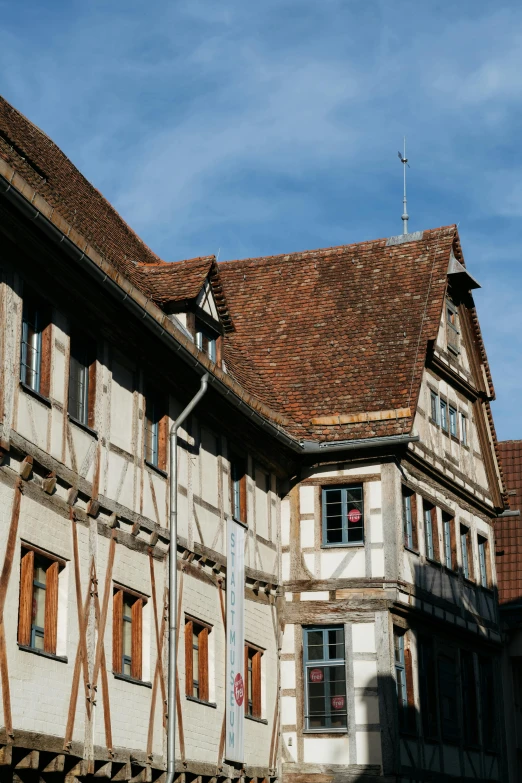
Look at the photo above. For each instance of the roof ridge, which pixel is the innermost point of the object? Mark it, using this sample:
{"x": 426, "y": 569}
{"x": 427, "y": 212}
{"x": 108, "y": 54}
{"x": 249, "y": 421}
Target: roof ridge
{"x": 303, "y": 253}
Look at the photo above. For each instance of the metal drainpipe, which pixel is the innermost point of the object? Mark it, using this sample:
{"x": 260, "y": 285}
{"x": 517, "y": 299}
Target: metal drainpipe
{"x": 173, "y": 579}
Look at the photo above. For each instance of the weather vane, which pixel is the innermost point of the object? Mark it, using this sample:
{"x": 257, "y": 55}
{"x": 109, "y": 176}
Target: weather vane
{"x": 404, "y": 161}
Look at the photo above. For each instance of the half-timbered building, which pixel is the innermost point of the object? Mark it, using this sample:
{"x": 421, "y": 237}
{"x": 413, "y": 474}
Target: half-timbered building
{"x": 346, "y": 432}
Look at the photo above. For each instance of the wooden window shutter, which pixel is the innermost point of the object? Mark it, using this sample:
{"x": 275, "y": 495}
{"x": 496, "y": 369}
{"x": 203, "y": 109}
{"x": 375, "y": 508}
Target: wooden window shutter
{"x": 137, "y": 639}
{"x": 45, "y": 360}
{"x": 453, "y": 541}
{"x": 91, "y": 400}
{"x": 203, "y": 664}
{"x": 410, "y": 715}
{"x": 117, "y": 632}
{"x": 243, "y": 497}
{"x": 256, "y": 685}
{"x": 51, "y": 608}
{"x": 26, "y": 598}
{"x": 245, "y": 680}
{"x": 414, "y": 536}
{"x": 435, "y": 531}
{"x": 163, "y": 436}
{"x": 189, "y": 659}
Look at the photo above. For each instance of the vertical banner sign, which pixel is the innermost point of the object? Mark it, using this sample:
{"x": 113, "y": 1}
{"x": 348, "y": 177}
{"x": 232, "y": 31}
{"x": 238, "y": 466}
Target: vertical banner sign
{"x": 235, "y": 685}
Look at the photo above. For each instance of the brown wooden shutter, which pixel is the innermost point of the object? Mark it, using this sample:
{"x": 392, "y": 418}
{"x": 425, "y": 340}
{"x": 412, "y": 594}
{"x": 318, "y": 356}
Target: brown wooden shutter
{"x": 26, "y": 598}
{"x": 91, "y": 400}
{"x": 245, "y": 680}
{"x": 137, "y": 639}
{"x": 470, "y": 555}
{"x": 410, "y": 714}
{"x": 203, "y": 664}
{"x": 51, "y": 608}
{"x": 189, "y": 659}
{"x": 435, "y": 533}
{"x": 489, "y": 578}
{"x": 45, "y": 362}
{"x": 219, "y": 351}
{"x": 117, "y": 631}
{"x": 414, "y": 534}
{"x": 256, "y": 685}
{"x": 243, "y": 497}
{"x": 163, "y": 435}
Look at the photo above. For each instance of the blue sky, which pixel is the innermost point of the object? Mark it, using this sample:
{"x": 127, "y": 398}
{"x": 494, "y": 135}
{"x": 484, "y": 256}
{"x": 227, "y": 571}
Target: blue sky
{"x": 256, "y": 128}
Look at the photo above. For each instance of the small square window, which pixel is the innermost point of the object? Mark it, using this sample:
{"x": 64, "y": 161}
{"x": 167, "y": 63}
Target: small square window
{"x": 206, "y": 340}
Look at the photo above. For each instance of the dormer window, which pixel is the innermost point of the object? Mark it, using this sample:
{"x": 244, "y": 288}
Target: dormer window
{"x": 452, "y": 327}
{"x": 206, "y": 340}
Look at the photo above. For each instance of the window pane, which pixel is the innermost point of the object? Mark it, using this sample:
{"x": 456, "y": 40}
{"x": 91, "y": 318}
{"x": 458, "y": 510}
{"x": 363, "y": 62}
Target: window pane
{"x": 315, "y": 646}
{"x": 127, "y": 638}
{"x": 38, "y": 640}
{"x": 38, "y": 606}
{"x": 335, "y": 643}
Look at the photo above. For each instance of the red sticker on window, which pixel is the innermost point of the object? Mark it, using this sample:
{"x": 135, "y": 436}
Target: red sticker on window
{"x": 316, "y": 675}
{"x": 239, "y": 690}
{"x": 354, "y": 516}
{"x": 338, "y": 702}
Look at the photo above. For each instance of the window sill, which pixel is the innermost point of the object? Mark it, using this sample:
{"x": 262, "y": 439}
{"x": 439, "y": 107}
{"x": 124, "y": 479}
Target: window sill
{"x": 239, "y": 522}
{"x": 83, "y": 426}
{"x": 453, "y": 350}
{"x": 34, "y": 393}
{"x": 343, "y": 546}
{"x": 410, "y": 549}
{"x": 43, "y": 654}
{"x": 322, "y": 732}
{"x": 431, "y": 561}
{"x": 126, "y": 678}
{"x": 470, "y": 582}
{"x": 434, "y": 422}
{"x": 487, "y": 589}
{"x": 156, "y": 469}
{"x": 201, "y": 701}
{"x": 455, "y": 439}
{"x": 256, "y": 720}
{"x": 450, "y": 571}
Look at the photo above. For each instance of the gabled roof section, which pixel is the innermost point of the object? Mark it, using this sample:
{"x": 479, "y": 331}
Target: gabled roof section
{"x": 44, "y": 166}
{"x": 338, "y": 336}
{"x": 176, "y": 285}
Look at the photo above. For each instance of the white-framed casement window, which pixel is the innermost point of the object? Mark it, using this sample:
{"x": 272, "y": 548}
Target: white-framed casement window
{"x": 448, "y": 533}
{"x": 343, "y": 515}
{"x": 431, "y": 532}
{"x": 453, "y": 423}
{"x": 82, "y": 380}
{"x": 483, "y": 560}
{"x": 463, "y": 429}
{"x": 444, "y": 415}
{"x": 434, "y": 407}
{"x": 466, "y": 551}
{"x": 35, "y": 347}
{"x": 409, "y": 518}
{"x": 325, "y": 678}
{"x": 206, "y": 340}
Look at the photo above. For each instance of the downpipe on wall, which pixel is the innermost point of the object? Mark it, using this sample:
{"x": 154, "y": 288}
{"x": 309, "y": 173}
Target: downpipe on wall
{"x": 173, "y": 579}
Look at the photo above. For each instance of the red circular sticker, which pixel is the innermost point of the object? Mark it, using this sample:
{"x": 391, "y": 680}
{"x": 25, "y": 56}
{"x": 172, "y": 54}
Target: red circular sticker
{"x": 354, "y": 516}
{"x": 338, "y": 702}
{"x": 239, "y": 690}
{"x": 316, "y": 675}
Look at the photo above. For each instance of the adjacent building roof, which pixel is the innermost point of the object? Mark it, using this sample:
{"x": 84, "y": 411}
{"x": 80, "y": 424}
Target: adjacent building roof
{"x": 508, "y": 530}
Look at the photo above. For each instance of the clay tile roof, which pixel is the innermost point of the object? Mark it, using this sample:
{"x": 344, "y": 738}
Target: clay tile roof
{"x": 339, "y": 331}
{"x": 508, "y": 531}
{"x": 44, "y": 166}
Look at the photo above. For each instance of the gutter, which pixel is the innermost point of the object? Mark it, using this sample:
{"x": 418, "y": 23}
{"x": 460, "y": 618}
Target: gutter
{"x": 508, "y": 513}
{"x": 173, "y": 579}
{"x": 24, "y": 206}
